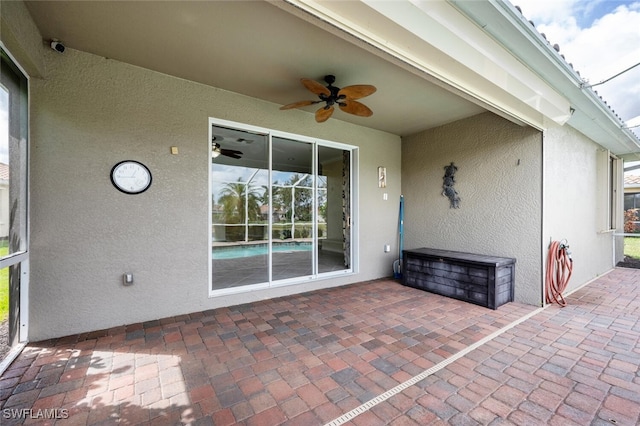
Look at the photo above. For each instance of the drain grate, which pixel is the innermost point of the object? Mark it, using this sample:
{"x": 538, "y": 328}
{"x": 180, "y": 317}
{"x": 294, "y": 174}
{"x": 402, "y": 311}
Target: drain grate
{"x": 426, "y": 373}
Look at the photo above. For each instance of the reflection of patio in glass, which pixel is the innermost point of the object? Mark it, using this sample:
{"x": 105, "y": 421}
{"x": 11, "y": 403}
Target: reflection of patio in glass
{"x": 285, "y": 265}
{"x": 288, "y": 205}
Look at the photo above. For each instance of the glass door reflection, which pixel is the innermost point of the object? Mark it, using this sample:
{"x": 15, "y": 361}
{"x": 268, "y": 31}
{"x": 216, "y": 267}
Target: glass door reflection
{"x": 292, "y": 209}
{"x": 334, "y": 209}
{"x": 239, "y": 199}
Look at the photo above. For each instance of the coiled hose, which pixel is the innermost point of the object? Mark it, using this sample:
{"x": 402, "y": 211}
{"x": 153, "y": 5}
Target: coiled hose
{"x": 559, "y": 269}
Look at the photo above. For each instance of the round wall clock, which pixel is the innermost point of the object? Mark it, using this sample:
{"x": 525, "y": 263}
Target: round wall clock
{"x": 131, "y": 177}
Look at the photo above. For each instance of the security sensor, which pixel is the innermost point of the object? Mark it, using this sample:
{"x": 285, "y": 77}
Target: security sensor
{"x": 57, "y": 46}
{"x": 127, "y": 278}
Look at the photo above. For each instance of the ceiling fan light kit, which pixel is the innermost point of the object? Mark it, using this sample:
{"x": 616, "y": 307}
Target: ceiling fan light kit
{"x": 331, "y": 95}
{"x": 217, "y": 150}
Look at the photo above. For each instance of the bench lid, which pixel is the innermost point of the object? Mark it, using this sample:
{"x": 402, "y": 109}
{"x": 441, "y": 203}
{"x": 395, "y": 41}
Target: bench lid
{"x": 462, "y": 256}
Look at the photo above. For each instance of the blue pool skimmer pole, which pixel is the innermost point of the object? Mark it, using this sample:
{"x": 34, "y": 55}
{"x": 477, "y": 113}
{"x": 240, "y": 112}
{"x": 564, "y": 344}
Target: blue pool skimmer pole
{"x": 397, "y": 267}
{"x": 401, "y": 231}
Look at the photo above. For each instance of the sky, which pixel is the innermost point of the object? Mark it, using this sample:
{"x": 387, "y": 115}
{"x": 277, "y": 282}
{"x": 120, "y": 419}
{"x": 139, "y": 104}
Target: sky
{"x": 601, "y": 38}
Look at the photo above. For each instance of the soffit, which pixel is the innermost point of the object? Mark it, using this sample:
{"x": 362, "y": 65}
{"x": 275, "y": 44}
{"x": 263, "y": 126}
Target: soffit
{"x": 251, "y": 48}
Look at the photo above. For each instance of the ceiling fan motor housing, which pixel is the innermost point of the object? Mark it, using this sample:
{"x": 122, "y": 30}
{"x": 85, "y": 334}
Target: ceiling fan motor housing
{"x": 333, "y": 98}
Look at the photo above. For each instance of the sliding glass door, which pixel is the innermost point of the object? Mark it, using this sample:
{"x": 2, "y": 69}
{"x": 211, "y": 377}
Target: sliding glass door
{"x": 280, "y": 208}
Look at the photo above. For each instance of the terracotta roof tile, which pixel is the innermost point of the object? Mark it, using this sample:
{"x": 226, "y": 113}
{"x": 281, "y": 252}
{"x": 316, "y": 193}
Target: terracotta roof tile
{"x": 556, "y": 47}
{"x": 632, "y": 180}
{"x": 4, "y": 171}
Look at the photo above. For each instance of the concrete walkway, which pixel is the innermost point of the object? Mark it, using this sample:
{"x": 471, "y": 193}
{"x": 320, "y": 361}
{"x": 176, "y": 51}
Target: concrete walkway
{"x": 374, "y": 353}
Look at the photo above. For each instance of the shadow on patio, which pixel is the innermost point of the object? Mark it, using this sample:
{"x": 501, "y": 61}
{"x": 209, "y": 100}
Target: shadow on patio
{"x": 308, "y": 359}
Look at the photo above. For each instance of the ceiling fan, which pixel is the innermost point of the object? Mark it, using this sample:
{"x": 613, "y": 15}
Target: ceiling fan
{"x": 345, "y": 98}
{"x": 217, "y": 150}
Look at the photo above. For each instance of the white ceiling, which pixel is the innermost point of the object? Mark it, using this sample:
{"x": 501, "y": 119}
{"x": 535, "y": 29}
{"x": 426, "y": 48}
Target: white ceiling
{"x": 253, "y": 48}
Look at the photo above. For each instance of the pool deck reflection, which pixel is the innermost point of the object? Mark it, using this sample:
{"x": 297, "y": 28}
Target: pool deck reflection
{"x": 254, "y": 269}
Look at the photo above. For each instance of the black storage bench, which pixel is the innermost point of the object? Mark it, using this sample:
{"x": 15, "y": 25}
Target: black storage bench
{"x": 484, "y": 280}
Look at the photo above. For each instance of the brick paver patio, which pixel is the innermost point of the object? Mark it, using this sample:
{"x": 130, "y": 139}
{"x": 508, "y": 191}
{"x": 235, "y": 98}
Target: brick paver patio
{"x": 309, "y": 359}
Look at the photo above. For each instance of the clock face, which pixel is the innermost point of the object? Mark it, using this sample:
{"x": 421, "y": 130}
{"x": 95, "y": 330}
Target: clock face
{"x": 131, "y": 177}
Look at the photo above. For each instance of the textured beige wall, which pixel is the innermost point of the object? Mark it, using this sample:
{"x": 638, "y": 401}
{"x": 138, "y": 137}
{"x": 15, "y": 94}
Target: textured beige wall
{"x": 20, "y": 36}
{"x": 571, "y": 203}
{"x": 91, "y": 112}
{"x": 499, "y": 180}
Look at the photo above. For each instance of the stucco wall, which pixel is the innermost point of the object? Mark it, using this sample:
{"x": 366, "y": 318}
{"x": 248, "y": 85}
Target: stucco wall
{"x": 499, "y": 181}
{"x": 20, "y": 35}
{"x": 572, "y": 204}
{"x": 91, "y": 112}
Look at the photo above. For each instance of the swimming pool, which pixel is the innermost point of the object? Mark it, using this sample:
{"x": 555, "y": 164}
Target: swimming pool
{"x": 234, "y": 252}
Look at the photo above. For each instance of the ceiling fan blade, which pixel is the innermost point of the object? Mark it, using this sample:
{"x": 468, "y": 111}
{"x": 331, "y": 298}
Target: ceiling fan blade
{"x": 355, "y": 108}
{"x": 231, "y": 153}
{"x": 315, "y": 87}
{"x": 323, "y": 114}
{"x": 357, "y": 91}
{"x": 298, "y": 104}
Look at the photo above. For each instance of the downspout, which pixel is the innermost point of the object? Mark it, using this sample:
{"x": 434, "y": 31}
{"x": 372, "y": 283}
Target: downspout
{"x": 543, "y": 250}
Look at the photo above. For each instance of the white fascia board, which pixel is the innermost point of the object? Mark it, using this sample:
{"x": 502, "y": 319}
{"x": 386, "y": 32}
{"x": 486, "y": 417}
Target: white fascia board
{"x": 436, "y": 38}
{"x": 453, "y": 34}
{"x": 592, "y": 117}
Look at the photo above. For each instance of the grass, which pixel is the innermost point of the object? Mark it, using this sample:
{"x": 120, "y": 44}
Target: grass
{"x": 4, "y": 294}
{"x": 632, "y": 247}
